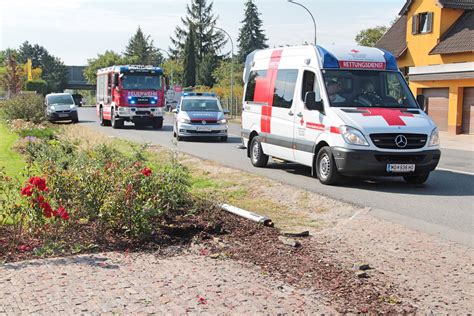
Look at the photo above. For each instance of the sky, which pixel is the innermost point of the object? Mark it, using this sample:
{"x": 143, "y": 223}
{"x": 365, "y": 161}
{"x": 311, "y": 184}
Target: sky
{"x": 76, "y": 30}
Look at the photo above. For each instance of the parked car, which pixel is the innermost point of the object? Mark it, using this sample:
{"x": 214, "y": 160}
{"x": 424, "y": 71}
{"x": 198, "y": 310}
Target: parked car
{"x": 61, "y": 107}
{"x": 200, "y": 115}
{"x": 78, "y": 99}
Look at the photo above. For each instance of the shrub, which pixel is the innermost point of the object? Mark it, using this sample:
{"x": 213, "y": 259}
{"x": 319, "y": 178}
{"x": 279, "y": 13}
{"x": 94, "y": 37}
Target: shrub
{"x": 28, "y": 206}
{"x": 117, "y": 191}
{"x": 28, "y": 107}
{"x": 39, "y": 86}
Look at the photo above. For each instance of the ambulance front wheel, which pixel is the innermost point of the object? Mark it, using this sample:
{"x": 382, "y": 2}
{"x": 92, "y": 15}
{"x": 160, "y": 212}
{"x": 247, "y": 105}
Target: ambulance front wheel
{"x": 326, "y": 168}
{"x": 257, "y": 156}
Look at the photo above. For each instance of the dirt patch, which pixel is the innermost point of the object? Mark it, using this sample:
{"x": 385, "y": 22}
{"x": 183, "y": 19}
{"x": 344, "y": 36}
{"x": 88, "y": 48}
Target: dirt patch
{"x": 309, "y": 265}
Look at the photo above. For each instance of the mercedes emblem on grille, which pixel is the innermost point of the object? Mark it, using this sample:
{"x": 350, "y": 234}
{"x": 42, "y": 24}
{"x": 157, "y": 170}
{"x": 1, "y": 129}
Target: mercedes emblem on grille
{"x": 401, "y": 141}
{"x": 204, "y": 122}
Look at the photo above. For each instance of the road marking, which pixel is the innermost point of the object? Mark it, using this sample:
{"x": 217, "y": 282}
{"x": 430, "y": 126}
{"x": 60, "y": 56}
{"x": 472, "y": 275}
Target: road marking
{"x": 456, "y": 171}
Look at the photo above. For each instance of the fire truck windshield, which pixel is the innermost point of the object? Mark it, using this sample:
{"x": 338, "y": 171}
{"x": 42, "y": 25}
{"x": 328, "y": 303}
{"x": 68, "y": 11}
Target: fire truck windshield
{"x": 141, "y": 82}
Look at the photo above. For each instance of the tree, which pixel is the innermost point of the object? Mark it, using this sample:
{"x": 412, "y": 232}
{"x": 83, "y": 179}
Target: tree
{"x": 222, "y": 73}
{"x": 189, "y": 73}
{"x": 173, "y": 67}
{"x": 54, "y": 72}
{"x": 141, "y": 50}
{"x": 208, "y": 41}
{"x": 251, "y": 36}
{"x": 107, "y": 59}
{"x": 11, "y": 80}
{"x": 370, "y": 36}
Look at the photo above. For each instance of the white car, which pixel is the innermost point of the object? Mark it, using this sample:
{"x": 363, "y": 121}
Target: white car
{"x": 200, "y": 115}
{"x": 61, "y": 107}
{"x": 341, "y": 110}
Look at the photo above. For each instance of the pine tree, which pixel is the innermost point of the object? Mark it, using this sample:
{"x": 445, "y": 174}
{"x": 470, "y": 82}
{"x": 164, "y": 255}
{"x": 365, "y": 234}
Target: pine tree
{"x": 189, "y": 73}
{"x": 140, "y": 50}
{"x": 251, "y": 36}
{"x": 207, "y": 41}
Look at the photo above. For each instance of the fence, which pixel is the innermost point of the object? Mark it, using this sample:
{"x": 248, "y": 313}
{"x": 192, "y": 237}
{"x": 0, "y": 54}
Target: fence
{"x": 234, "y": 106}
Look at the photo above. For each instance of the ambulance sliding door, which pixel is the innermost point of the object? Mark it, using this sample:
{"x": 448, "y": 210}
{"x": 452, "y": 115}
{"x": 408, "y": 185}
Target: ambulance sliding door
{"x": 308, "y": 124}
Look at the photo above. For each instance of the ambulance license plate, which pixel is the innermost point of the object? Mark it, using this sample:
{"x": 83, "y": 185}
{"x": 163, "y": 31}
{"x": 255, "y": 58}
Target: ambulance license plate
{"x": 204, "y": 128}
{"x": 401, "y": 168}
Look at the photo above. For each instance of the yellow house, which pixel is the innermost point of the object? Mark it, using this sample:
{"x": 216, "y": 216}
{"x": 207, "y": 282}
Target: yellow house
{"x": 433, "y": 41}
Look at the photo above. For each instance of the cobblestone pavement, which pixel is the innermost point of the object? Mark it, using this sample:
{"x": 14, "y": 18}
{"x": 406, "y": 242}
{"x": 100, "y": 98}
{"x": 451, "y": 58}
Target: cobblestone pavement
{"x": 116, "y": 283}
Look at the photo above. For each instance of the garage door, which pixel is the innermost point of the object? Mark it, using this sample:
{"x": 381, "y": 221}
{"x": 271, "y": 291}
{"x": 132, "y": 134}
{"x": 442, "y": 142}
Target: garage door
{"x": 438, "y": 104}
{"x": 468, "y": 111}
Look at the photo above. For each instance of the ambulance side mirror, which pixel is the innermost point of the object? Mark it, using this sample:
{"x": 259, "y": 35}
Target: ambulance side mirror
{"x": 311, "y": 103}
{"x": 421, "y": 100}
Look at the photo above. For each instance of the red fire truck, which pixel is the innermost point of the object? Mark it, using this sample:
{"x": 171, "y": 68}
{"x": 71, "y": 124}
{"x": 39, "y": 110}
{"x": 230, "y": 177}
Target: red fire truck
{"x": 130, "y": 93}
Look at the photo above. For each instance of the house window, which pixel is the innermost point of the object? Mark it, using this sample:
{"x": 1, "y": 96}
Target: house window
{"x": 422, "y": 23}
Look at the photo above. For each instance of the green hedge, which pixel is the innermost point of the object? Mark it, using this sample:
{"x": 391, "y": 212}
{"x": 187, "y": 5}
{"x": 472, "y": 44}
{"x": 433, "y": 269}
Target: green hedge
{"x": 39, "y": 86}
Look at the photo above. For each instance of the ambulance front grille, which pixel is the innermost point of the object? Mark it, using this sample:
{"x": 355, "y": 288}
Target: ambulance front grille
{"x": 388, "y": 141}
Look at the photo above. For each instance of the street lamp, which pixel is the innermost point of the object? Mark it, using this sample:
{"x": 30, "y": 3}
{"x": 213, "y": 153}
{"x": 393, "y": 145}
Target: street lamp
{"x": 231, "y": 65}
{"x": 312, "y": 17}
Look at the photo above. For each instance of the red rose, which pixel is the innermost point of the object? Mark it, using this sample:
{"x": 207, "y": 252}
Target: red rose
{"x": 39, "y": 200}
{"x": 47, "y": 209}
{"x": 27, "y": 191}
{"x": 38, "y": 182}
{"x": 146, "y": 172}
{"x": 61, "y": 212}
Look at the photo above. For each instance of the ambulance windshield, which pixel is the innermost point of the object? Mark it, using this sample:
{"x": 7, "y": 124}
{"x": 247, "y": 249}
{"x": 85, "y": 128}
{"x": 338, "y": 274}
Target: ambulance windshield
{"x": 367, "y": 88}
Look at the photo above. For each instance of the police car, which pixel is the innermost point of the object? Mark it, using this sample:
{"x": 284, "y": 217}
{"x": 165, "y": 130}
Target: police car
{"x": 200, "y": 115}
{"x": 339, "y": 110}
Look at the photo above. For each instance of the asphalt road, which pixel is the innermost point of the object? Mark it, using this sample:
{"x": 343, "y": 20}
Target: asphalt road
{"x": 444, "y": 206}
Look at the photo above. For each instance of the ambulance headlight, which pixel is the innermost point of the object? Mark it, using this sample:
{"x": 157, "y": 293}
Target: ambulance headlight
{"x": 223, "y": 121}
{"x": 353, "y": 136}
{"x": 184, "y": 120}
{"x": 434, "y": 138}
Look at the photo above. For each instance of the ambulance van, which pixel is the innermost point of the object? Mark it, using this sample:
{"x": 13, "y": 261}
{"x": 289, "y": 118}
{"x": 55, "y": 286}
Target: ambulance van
{"x": 343, "y": 111}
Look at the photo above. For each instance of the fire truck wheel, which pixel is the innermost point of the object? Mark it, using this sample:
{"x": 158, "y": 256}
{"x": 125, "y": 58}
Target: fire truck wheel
{"x": 114, "y": 122}
{"x": 158, "y": 123}
{"x": 326, "y": 168}
{"x": 417, "y": 179}
{"x": 257, "y": 156}
{"x": 103, "y": 122}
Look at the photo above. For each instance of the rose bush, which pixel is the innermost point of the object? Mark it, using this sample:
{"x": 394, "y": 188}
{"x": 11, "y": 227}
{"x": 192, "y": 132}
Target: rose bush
{"x": 117, "y": 191}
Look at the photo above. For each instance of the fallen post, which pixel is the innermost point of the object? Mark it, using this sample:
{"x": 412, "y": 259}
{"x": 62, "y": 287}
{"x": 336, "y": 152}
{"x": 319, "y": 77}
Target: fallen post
{"x": 248, "y": 215}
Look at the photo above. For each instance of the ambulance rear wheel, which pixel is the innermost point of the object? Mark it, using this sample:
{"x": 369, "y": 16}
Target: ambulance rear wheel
{"x": 326, "y": 168}
{"x": 257, "y": 156}
{"x": 417, "y": 179}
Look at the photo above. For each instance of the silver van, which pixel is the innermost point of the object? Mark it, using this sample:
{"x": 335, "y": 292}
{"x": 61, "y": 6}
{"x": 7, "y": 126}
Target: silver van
{"x": 61, "y": 107}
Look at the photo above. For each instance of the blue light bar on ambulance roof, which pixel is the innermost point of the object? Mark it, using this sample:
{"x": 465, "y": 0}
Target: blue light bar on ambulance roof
{"x": 390, "y": 60}
{"x": 328, "y": 59}
{"x": 199, "y": 94}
